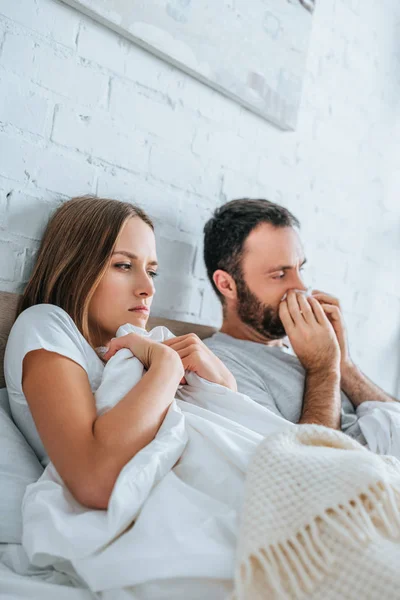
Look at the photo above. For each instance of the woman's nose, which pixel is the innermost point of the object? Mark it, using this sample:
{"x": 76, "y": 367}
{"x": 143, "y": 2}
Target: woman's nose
{"x": 145, "y": 287}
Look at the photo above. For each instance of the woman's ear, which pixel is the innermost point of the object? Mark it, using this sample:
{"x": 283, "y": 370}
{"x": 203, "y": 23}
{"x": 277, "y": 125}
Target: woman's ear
{"x": 225, "y": 284}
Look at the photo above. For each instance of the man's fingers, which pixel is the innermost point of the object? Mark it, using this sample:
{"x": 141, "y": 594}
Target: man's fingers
{"x": 294, "y": 307}
{"x": 285, "y": 317}
{"x": 325, "y": 298}
{"x": 332, "y": 311}
{"x": 305, "y": 309}
{"x": 317, "y": 310}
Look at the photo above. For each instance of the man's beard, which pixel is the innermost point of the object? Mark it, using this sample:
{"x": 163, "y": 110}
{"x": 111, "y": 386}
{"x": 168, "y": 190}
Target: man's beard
{"x": 261, "y": 317}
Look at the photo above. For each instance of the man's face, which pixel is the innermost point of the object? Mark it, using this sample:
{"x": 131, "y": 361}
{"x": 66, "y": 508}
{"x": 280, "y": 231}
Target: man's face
{"x": 271, "y": 265}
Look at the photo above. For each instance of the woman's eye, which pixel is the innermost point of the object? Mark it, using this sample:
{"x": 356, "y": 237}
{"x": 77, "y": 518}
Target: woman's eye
{"x": 153, "y": 274}
{"x": 124, "y": 266}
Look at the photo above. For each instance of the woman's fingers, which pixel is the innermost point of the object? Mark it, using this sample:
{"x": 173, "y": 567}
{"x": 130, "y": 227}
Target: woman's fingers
{"x": 112, "y": 349}
{"x": 175, "y": 345}
{"x": 188, "y": 351}
{"x": 183, "y": 341}
{"x": 173, "y": 341}
{"x": 131, "y": 341}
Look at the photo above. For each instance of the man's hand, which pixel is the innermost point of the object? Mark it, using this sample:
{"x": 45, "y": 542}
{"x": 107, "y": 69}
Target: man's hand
{"x": 310, "y": 333}
{"x": 332, "y": 309}
{"x": 354, "y": 383}
{"x": 196, "y": 357}
{"x": 314, "y": 341}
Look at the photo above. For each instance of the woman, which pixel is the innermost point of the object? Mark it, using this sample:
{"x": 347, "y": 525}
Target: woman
{"x": 95, "y": 271}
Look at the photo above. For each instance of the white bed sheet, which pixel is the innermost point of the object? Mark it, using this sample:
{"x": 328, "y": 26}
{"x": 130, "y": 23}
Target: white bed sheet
{"x": 20, "y": 580}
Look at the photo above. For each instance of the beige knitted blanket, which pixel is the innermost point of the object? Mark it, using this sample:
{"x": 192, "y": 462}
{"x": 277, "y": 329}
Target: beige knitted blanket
{"x": 321, "y": 520}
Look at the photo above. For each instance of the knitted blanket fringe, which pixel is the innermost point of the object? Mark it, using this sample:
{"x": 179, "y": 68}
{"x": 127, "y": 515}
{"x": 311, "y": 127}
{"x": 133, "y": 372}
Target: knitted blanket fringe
{"x": 292, "y": 567}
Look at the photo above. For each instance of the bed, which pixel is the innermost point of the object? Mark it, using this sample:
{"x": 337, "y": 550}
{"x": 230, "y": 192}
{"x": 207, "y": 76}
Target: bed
{"x": 19, "y": 466}
{"x": 196, "y": 543}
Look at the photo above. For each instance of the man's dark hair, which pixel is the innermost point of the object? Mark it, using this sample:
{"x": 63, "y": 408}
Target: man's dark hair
{"x": 227, "y": 230}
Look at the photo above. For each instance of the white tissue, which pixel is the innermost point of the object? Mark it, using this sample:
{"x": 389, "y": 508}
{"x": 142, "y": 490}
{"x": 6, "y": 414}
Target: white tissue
{"x": 306, "y": 292}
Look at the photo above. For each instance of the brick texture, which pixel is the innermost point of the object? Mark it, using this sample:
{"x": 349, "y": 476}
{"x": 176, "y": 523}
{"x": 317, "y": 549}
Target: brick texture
{"x": 84, "y": 111}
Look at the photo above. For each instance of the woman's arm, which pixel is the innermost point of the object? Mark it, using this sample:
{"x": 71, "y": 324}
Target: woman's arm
{"x": 89, "y": 451}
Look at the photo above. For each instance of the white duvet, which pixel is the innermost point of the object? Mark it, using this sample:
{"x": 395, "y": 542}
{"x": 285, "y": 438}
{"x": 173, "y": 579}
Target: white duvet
{"x": 171, "y": 527}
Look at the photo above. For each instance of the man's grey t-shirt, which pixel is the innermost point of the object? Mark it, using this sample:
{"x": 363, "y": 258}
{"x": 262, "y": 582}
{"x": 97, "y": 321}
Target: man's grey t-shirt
{"x": 274, "y": 378}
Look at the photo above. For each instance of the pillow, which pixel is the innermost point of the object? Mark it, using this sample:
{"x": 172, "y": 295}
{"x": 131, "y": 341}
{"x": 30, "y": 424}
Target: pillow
{"x": 4, "y": 401}
{"x": 19, "y": 467}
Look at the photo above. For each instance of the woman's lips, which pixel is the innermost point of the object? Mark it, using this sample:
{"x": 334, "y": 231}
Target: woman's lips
{"x": 142, "y": 309}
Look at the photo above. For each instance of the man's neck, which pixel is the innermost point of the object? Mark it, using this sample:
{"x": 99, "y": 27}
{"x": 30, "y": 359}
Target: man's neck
{"x": 234, "y": 327}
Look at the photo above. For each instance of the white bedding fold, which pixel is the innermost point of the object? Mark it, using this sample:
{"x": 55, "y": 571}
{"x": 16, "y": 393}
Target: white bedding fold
{"x": 183, "y": 491}
{"x": 380, "y": 424}
{"x": 173, "y": 513}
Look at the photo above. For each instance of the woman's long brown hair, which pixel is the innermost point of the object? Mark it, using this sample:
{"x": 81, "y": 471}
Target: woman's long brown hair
{"x": 74, "y": 254}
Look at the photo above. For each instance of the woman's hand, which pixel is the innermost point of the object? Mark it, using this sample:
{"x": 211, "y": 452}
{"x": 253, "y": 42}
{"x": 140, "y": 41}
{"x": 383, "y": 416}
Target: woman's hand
{"x": 145, "y": 349}
{"x": 196, "y": 357}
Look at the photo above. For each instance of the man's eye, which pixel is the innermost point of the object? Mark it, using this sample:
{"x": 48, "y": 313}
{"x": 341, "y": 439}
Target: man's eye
{"x": 124, "y": 266}
{"x": 279, "y": 276}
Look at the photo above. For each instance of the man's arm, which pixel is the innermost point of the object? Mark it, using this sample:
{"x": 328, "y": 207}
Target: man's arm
{"x": 357, "y": 387}
{"x": 322, "y": 401}
{"x": 314, "y": 341}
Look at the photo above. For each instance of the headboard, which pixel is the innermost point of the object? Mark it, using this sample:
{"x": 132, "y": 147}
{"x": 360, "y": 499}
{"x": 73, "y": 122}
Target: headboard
{"x": 8, "y": 308}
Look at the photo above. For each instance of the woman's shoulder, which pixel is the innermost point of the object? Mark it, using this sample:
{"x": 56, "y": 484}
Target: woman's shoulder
{"x": 43, "y": 323}
{"x": 44, "y": 311}
{"x": 42, "y": 326}
{"x": 47, "y": 327}
{"x": 42, "y": 320}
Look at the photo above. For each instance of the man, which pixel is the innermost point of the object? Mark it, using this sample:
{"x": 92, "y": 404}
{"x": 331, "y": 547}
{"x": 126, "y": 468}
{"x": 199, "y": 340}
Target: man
{"x": 254, "y": 260}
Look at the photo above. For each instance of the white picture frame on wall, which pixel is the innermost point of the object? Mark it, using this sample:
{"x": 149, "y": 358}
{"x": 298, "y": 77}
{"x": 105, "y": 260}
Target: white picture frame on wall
{"x": 254, "y": 51}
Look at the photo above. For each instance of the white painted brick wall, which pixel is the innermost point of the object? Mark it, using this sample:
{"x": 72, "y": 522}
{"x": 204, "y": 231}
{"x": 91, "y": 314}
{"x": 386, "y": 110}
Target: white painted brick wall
{"x": 22, "y": 107}
{"x": 84, "y": 111}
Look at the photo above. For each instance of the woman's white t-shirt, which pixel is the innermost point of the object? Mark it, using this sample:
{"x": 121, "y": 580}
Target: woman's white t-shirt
{"x": 48, "y": 327}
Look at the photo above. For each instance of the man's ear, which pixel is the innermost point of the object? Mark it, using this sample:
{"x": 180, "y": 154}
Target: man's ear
{"x": 225, "y": 284}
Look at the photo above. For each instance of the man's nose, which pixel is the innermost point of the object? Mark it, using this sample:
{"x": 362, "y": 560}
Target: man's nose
{"x": 299, "y": 283}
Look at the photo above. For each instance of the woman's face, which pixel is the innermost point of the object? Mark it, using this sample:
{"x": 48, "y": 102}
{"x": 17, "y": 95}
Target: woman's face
{"x": 126, "y": 291}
